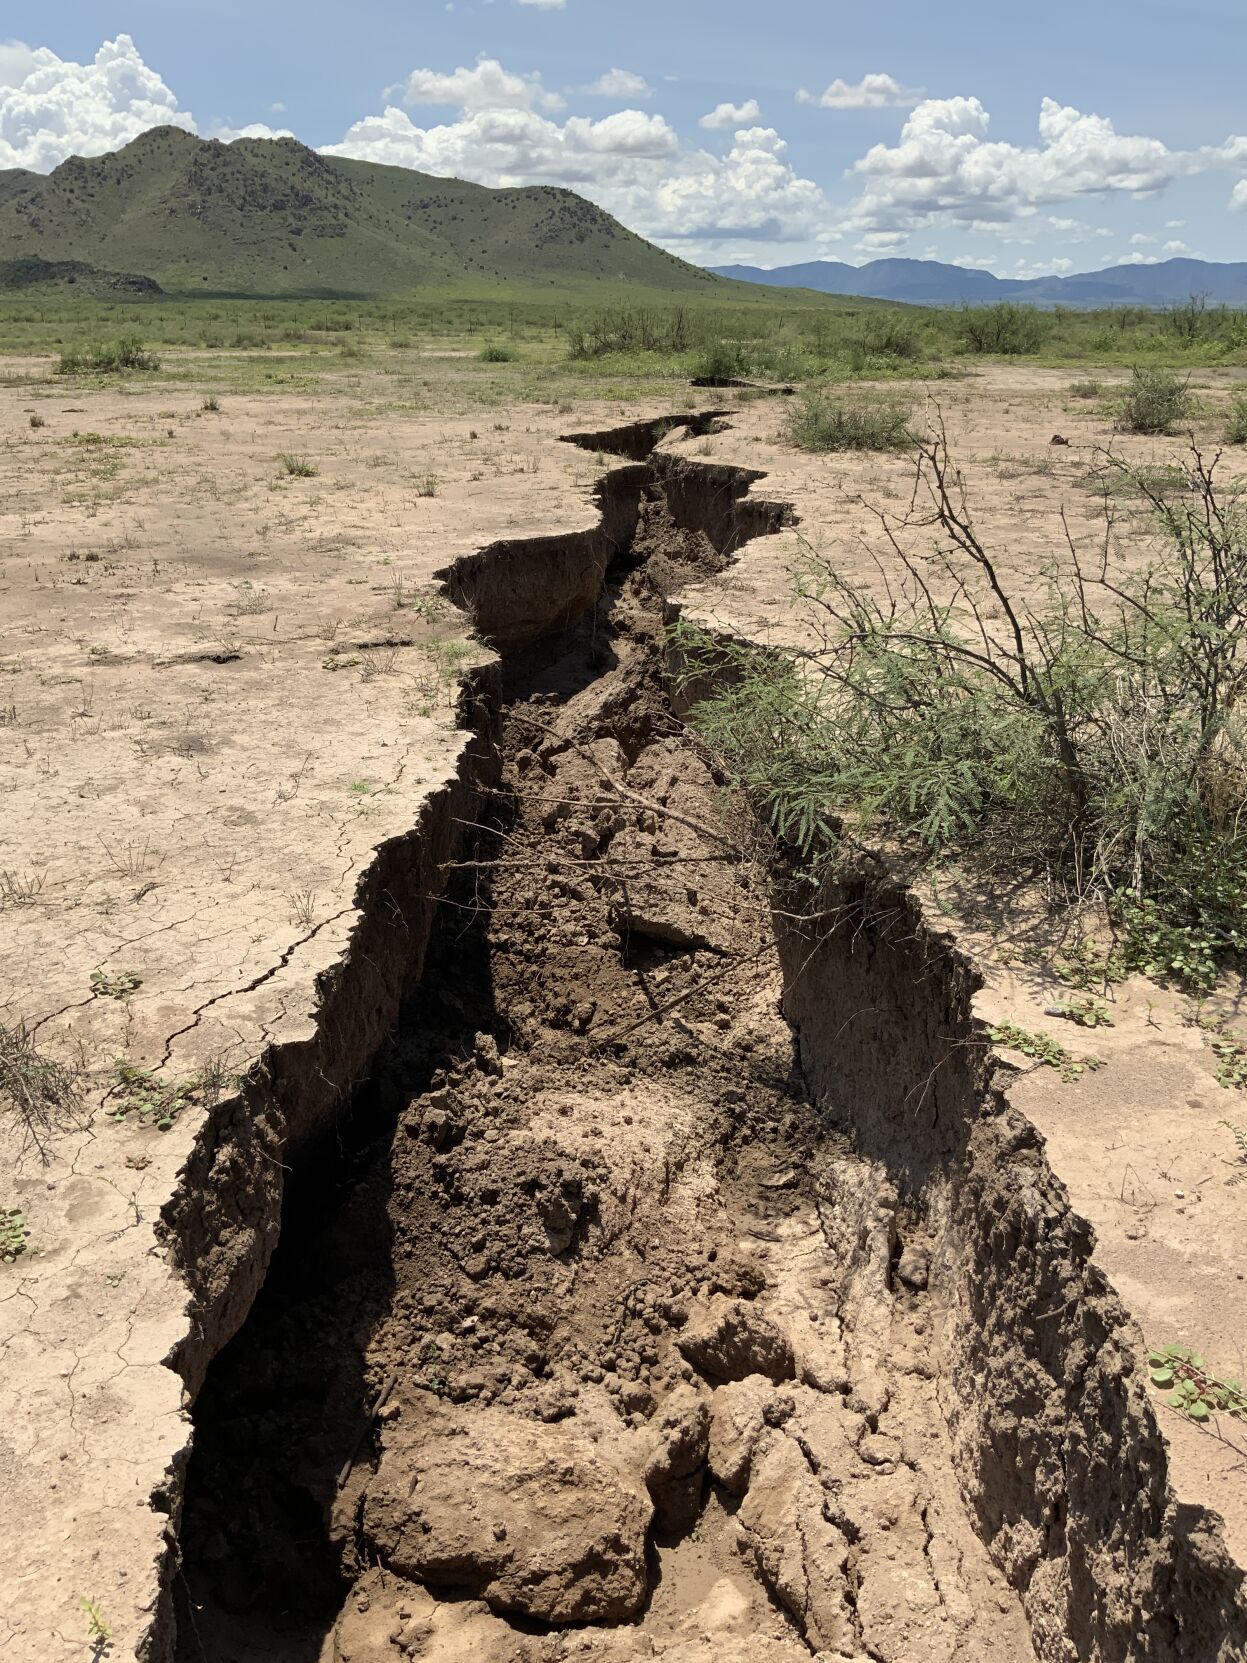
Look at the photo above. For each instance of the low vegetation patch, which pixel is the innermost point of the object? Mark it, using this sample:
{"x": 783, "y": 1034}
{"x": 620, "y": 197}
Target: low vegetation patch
{"x": 823, "y": 421}
{"x": 1192, "y": 1387}
{"x": 494, "y": 354}
{"x": 1093, "y": 739}
{"x": 296, "y": 466}
{"x": 107, "y": 357}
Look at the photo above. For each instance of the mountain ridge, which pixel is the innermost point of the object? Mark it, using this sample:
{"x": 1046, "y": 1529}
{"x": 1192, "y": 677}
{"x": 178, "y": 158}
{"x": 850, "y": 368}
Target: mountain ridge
{"x": 271, "y": 216}
{"x": 936, "y": 283}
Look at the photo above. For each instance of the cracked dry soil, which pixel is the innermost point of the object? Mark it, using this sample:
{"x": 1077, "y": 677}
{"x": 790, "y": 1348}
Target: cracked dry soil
{"x": 605, "y": 1347}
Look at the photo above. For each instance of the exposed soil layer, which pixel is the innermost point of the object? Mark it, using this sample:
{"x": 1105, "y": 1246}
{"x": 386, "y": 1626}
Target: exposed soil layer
{"x": 621, "y": 1317}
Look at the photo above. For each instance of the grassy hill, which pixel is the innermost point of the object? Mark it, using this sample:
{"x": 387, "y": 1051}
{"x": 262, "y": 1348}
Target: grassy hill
{"x": 271, "y": 217}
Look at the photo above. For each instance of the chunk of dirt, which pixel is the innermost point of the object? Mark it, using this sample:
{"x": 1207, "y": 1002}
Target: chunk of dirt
{"x": 731, "y": 1339}
{"x": 533, "y": 1519}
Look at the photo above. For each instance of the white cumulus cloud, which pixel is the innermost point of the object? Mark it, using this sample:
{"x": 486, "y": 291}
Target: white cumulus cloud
{"x": 16, "y": 62}
{"x": 944, "y": 167}
{"x": 727, "y": 116}
{"x": 486, "y": 86}
{"x": 60, "y": 108}
{"x": 872, "y": 92}
{"x": 619, "y": 83}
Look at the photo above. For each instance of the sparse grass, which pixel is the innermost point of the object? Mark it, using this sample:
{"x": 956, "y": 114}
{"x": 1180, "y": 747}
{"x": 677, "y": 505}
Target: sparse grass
{"x": 1085, "y": 389}
{"x": 38, "y": 421}
{"x": 303, "y": 908}
{"x": 378, "y": 662}
{"x": 40, "y": 1092}
{"x": 296, "y": 466}
{"x": 20, "y": 889}
{"x": 1155, "y": 401}
{"x": 211, "y": 405}
{"x": 821, "y": 421}
{"x": 426, "y": 485}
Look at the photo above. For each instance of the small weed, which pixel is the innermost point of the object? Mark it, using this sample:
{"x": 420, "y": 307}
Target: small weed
{"x": 42, "y": 1093}
{"x": 1043, "y": 1050}
{"x": 38, "y": 421}
{"x": 211, "y": 405}
{"x": 1192, "y": 1388}
{"x": 153, "y": 1101}
{"x": 120, "y": 985}
{"x": 493, "y": 354}
{"x": 426, "y": 486}
{"x": 1084, "y": 968}
{"x": 19, "y": 889}
{"x": 98, "y": 1631}
{"x": 1240, "y": 1155}
{"x": 132, "y": 861}
{"x": 215, "y": 1079}
{"x": 373, "y": 664}
{"x": 297, "y": 466}
{"x": 13, "y": 1234}
{"x": 303, "y": 908}
{"x": 1085, "y": 389}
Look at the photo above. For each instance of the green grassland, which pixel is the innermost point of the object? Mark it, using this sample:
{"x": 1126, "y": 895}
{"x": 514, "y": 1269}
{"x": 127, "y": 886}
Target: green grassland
{"x": 620, "y": 341}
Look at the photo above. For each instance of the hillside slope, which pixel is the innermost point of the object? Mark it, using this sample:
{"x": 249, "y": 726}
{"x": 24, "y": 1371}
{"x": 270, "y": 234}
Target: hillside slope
{"x": 933, "y": 283}
{"x": 270, "y": 216}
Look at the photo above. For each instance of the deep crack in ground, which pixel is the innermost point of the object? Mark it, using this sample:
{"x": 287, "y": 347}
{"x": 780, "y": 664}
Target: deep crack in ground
{"x": 632, "y": 1398}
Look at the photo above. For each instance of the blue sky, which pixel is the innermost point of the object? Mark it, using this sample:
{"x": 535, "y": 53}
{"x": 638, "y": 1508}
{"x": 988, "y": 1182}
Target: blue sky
{"x": 1087, "y": 134}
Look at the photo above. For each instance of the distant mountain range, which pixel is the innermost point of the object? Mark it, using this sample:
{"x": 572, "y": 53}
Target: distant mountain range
{"x": 932, "y": 283}
{"x": 271, "y": 217}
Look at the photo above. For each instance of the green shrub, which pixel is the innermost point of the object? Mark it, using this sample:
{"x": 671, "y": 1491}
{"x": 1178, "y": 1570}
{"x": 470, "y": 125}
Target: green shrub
{"x": 1005, "y": 328}
{"x": 821, "y": 421}
{"x": 1154, "y": 401}
{"x": 1236, "y": 423}
{"x": 721, "y": 361}
{"x": 493, "y": 354}
{"x": 1095, "y": 739}
{"x": 107, "y": 358}
{"x": 889, "y": 335}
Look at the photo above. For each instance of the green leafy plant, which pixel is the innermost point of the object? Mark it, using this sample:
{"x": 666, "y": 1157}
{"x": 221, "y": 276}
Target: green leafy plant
{"x": 1231, "y": 1060}
{"x": 141, "y": 1094}
{"x": 13, "y": 1234}
{"x": 1087, "y": 1013}
{"x": 1192, "y": 1387}
{"x": 1043, "y": 1049}
{"x": 1155, "y": 401}
{"x": 820, "y": 421}
{"x": 119, "y": 985}
{"x": 99, "y": 1633}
